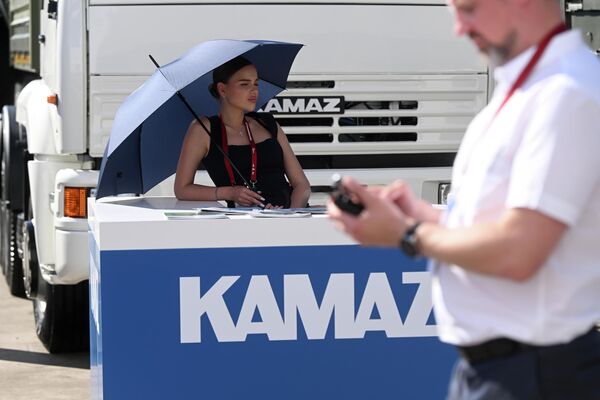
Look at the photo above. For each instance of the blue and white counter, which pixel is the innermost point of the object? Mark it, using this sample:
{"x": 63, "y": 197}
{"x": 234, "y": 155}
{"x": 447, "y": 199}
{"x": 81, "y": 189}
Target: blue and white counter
{"x": 252, "y": 308}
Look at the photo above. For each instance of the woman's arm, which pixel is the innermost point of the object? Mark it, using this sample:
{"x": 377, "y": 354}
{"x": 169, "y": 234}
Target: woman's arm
{"x": 195, "y": 147}
{"x": 294, "y": 172}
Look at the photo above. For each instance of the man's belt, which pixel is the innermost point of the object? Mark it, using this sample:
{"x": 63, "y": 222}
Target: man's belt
{"x": 504, "y": 347}
{"x": 491, "y": 349}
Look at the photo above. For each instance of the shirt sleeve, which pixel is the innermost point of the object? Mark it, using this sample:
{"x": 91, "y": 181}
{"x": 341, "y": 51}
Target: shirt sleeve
{"x": 556, "y": 168}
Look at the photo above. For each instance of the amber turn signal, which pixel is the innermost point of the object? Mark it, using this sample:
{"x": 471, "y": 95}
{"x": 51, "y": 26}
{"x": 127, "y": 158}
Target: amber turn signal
{"x": 76, "y": 202}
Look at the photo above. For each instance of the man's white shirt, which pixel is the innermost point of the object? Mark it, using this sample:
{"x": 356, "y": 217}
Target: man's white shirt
{"x": 541, "y": 152}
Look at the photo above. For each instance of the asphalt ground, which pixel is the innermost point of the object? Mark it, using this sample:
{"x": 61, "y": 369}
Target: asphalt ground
{"x": 27, "y": 370}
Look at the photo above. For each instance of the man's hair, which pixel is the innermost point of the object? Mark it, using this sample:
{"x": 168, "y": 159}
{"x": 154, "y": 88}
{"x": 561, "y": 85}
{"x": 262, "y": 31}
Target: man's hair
{"x": 224, "y": 72}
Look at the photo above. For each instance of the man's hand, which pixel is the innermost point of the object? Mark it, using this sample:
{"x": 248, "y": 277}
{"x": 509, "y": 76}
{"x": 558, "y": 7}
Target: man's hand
{"x": 381, "y": 223}
{"x": 401, "y": 194}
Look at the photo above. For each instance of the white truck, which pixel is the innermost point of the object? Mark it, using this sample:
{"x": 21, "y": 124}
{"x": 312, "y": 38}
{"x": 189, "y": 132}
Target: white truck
{"x": 403, "y": 87}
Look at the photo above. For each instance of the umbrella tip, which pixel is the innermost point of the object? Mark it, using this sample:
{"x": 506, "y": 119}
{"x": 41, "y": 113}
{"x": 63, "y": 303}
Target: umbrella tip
{"x": 153, "y": 60}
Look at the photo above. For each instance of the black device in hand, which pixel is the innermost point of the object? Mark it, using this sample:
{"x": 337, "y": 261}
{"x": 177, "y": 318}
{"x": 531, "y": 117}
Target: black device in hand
{"x": 342, "y": 199}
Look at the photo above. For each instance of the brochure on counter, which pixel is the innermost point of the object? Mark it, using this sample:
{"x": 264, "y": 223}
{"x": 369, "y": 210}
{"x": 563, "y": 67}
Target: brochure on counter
{"x": 227, "y": 211}
{"x": 192, "y": 214}
{"x": 264, "y": 213}
{"x": 280, "y": 213}
{"x": 224, "y": 212}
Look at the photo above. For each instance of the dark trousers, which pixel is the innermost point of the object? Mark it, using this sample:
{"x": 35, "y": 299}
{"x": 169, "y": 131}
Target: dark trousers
{"x": 568, "y": 371}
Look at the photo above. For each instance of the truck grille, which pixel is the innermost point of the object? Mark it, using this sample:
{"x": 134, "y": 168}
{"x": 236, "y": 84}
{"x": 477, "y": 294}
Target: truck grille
{"x": 385, "y": 114}
{"x": 386, "y": 118}
{"x": 310, "y": 84}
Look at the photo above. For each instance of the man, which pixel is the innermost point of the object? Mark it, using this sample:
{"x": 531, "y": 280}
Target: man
{"x": 516, "y": 254}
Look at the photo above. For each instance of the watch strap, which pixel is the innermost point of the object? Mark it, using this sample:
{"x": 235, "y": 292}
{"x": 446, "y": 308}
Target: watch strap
{"x": 408, "y": 243}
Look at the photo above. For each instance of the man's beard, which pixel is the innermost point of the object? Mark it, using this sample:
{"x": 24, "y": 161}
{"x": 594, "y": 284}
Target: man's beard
{"x": 496, "y": 54}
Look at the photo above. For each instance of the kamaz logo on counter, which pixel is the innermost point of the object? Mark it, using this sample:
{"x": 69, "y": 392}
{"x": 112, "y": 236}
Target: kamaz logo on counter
{"x": 305, "y": 105}
{"x": 299, "y": 301}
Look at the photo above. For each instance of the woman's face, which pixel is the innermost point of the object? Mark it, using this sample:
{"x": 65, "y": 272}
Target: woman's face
{"x": 242, "y": 89}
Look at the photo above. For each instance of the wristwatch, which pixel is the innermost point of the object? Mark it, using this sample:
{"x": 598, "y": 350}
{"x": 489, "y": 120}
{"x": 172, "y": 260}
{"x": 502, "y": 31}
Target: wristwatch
{"x": 408, "y": 243}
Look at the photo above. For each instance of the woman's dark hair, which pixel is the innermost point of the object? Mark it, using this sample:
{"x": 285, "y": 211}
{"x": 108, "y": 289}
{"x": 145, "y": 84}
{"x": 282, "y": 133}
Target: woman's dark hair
{"x": 224, "y": 72}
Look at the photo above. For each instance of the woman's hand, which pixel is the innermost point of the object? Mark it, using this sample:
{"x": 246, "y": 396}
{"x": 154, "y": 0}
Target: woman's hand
{"x": 243, "y": 196}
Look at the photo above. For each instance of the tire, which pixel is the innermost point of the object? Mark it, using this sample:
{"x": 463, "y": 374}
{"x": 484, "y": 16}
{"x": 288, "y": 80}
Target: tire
{"x": 1, "y": 148}
{"x": 4, "y": 227}
{"x": 29, "y": 260}
{"x": 13, "y": 265}
{"x": 61, "y": 312}
{"x": 4, "y": 242}
{"x": 12, "y": 165}
{"x": 62, "y": 316}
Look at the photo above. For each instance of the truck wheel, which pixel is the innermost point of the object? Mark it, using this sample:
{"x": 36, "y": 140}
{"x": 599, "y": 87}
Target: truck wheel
{"x": 12, "y": 199}
{"x": 13, "y": 265}
{"x": 62, "y": 316}
{"x": 30, "y": 261}
{"x": 3, "y": 241}
{"x": 5, "y": 132}
{"x": 1, "y": 146}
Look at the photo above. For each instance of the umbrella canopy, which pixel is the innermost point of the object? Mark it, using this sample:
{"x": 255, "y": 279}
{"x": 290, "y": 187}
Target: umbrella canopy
{"x": 149, "y": 127}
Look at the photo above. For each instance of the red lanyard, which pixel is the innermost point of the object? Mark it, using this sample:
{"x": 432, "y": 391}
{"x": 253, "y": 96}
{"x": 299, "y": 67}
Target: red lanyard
{"x": 520, "y": 80}
{"x": 225, "y": 146}
{"x": 531, "y": 64}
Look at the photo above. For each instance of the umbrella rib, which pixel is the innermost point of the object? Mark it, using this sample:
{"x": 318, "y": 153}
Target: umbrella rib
{"x": 159, "y": 70}
{"x": 178, "y": 93}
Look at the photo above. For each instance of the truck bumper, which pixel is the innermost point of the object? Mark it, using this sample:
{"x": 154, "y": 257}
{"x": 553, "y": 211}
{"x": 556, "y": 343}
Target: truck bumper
{"x": 72, "y": 264}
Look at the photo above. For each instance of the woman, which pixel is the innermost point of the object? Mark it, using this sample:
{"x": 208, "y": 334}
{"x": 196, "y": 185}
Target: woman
{"x": 235, "y": 86}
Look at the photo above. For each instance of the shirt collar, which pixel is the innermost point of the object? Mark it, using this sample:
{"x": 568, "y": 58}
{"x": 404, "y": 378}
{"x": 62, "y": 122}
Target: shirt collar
{"x": 508, "y": 73}
{"x": 561, "y": 44}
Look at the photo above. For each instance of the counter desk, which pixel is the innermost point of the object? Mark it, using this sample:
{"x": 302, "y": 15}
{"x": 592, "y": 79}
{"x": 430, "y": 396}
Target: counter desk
{"x": 254, "y": 308}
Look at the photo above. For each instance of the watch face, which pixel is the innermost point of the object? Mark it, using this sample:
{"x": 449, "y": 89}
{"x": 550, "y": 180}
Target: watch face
{"x": 408, "y": 246}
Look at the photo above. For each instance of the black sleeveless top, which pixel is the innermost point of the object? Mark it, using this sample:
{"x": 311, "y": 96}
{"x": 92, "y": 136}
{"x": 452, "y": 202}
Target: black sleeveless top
{"x": 270, "y": 171}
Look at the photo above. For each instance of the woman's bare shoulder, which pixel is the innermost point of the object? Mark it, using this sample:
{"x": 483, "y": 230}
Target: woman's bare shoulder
{"x": 196, "y": 126}
{"x": 197, "y": 130}
{"x": 196, "y": 136}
